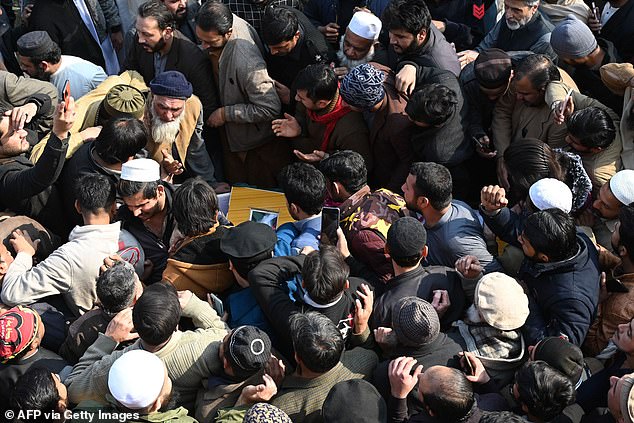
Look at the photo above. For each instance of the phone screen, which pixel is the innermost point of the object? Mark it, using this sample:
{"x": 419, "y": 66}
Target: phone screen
{"x": 66, "y": 94}
{"x": 329, "y": 225}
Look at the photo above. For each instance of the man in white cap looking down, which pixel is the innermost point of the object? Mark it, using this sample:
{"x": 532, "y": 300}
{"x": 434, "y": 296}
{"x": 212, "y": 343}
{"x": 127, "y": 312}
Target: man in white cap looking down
{"x": 615, "y": 193}
{"x": 139, "y": 384}
{"x": 357, "y": 45}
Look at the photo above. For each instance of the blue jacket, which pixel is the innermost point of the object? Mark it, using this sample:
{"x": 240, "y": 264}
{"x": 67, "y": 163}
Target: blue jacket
{"x": 563, "y": 296}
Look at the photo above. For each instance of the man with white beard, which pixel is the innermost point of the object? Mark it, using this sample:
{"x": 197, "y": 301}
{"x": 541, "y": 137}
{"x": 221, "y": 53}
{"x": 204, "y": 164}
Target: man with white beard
{"x": 357, "y": 45}
{"x": 522, "y": 29}
{"x": 175, "y": 123}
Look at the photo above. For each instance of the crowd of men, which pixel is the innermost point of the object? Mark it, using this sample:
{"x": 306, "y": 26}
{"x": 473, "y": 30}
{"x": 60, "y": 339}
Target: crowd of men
{"x": 477, "y": 157}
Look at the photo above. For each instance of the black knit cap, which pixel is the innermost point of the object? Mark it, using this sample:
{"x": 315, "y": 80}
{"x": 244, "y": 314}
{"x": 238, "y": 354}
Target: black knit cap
{"x": 35, "y": 43}
{"x": 406, "y": 237}
{"x": 171, "y": 84}
{"x": 492, "y": 68}
{"x": 248, "y": 350}
{"x": 337, "y": 408}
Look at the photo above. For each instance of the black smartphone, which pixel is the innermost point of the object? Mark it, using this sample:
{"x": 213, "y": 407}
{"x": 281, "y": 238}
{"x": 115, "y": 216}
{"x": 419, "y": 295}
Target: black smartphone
{"x": 615, "y": 285}
{"x": 467, "y": 367}
{"x": 329, "y": 225}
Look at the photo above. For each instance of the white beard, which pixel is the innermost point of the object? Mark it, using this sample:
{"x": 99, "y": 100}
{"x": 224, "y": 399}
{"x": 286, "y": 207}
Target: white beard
{"x": 349, "y": 63}
{"x": 473, "y": 315}
{"x": 515, "y": 25}
{"x": 165, "y": 132}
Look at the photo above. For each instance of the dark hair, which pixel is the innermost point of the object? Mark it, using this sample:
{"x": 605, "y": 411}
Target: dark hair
{"x": 543, "y": 390}
{"x": 120, "y": 139}
{"x": 95, "y": 192}
{"x": 156, "y": 313}
{"x": 552, "y": 232}
{"x": 325, "y": 274}
{"x": 278, "y": 24}
{"x": 529, "y": 160}
{"x": 194, "y": 207}
{"x": 626, "y": 229}
{"x": 35, "y": 390}
{"x": 130, "y": 188}
{"x": 593, "y": 127}
{"x": 316, "y": 341}
{"x": 158, "y": 11}
{"x": 319, "y": 81}
{"x": 215, "y": 16}
{"x": 501, "y": 417}
{"x": 539, "y": 69}
{"x": 452, "y": 397}
{"x": 411, "y": 15}
{"x": 346, "y": 167}
{"x": 433, "y": 104}
{"x": 54, "y": 55}
{"x": 116, "y": 287}
{"x": 304, "y": 186}
{"x": 433, "y": 181}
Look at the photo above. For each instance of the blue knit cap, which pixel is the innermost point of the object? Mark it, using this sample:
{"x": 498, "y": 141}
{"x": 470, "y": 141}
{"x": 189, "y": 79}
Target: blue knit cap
{"x": 171, "y": 84}
{"x": 362, "y": 87}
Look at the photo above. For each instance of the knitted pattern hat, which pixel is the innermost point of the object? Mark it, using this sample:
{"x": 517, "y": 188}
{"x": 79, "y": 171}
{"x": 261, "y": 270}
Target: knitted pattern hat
{"x": 35, "y": 43}
{"x": 171, "y": 84}
{"x": 362, "y": 87}
{"x": 415, "y": 322}
{"x": 18, "y": 329}
{"x": 248, "y": 350}
{"x": 263, "y": 412}
{"x": 572, "y": 39}
{"x": 406, "y": 237}
{"x": 492, "y": 68}
{"x": 501, "y": 301}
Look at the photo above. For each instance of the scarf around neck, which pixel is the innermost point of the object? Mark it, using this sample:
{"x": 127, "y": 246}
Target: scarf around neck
{"x": 330, "y": 118}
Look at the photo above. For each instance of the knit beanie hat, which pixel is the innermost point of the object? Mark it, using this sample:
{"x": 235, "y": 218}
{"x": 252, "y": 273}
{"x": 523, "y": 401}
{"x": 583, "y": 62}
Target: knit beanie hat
{"x": 501, "y": 301}
{"x": 572, "y": 39}
{"x": 337, "y": 408}
{"x": 406, "y": 237}
{"x": 362, "y": 87}
{"x": 562, "y": 355}
{"x": 415, "y": 322}
{"x": 248, "y": 350}
{"x": 492, "y": 68}
{"x": 171, "y": 84}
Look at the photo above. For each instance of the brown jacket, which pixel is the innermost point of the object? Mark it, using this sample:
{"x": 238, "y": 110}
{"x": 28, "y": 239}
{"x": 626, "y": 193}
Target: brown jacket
{"x": 350, "y": 133}
{"x": 390, "y": 138}
{"x": 617, "y": 309}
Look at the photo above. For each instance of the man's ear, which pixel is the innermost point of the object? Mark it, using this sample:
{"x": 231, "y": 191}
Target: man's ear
{"x": 425, "y": 251}
{"x": 622, "y": 250}
{"x": 160, "y": 190}
{"x": 156, "y": 406}
{"x": 44, "y": 66}
{"x": 422, "y": 202}
{"x": 347, "y": 284}
{"x": 77, "y": 206}
{"x": 543, "y": 258}
{"x": 422, "y": 36}
{"x": 293, "y": 209}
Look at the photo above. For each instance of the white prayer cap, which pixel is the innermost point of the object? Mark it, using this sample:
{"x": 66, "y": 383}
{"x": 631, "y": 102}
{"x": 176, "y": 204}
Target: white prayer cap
{"x": 622, "y": 186}
{"x": 365, "y": 25}
{"x": 550, "y": 193}
{"x": 141, "y": 170}
{"x": 136, "y": 379}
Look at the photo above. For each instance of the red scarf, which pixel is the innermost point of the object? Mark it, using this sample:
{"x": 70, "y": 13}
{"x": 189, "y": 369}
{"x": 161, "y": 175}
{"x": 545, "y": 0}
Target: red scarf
{"x": 329, "y": 119}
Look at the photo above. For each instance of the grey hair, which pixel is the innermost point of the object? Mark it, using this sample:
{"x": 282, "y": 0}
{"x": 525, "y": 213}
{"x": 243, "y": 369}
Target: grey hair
{"x": 116, "y": 287}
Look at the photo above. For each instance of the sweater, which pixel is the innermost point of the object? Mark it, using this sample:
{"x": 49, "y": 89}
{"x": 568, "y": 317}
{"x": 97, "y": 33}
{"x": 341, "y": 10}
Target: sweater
{"x": 68, "y": 270}
{"x": 189, "y": 357}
